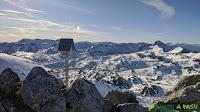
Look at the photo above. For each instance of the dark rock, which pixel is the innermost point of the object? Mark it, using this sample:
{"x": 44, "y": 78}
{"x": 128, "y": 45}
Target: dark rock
{"x": 121, "y": 82}
{"x": 187, "y": 81}
{"x": 198, "y": 86}
{"x": 121, "y": 97}
{"x": 188, "y": 94}
{"x": 151, "y": 90}
{"x": 197, "y": 61}
{"x": 60, "y": 83}
{"x": 83, "y": 96}
{"x": 41, "y": 92}
{"x": 9, "y": 106}
{"x": 129, "y": 107}
{"x": 185, "y": 92}
{"x": 164, "y": 59}
{"x": 10, "y": 101}
{"x": 136, "y": 80}
{"x": 158, "y": 42}
{"x": 141, "y": 55}
{"x": 107, "y": 106}
{"x": 2, "y": 109}
{"x": 8, "y": 83}
{"x": 152, "y": 55}
{"x": 164, "y": 46}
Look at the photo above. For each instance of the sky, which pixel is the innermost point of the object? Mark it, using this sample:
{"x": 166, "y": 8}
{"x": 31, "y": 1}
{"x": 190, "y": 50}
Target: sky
{"x": 173, "y": 21}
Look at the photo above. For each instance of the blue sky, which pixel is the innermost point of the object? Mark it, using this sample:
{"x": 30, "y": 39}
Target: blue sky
{"x": 175, "y": 21}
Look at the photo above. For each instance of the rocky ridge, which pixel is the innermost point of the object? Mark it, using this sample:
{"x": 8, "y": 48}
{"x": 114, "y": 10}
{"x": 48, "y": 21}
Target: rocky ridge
{"x": 40, "y": 92}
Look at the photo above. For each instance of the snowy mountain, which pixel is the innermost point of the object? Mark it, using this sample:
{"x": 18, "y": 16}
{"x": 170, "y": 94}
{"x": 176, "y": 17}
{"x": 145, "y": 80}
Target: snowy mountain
{"x": 149, "y": 70}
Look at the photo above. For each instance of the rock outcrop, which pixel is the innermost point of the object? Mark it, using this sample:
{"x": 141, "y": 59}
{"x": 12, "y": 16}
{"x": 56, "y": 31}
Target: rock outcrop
{"x": 186, "y": 95}
{"x": 8, "y": 82}
{"x": 151, "y": 90}
{"x": 41, "y": 92}
{"x": 186, "y": 91}
{"x": 121, "y": 97}
{"x": 121, "y": 83}
{"x": 124, "y": 102}
{"x": 129, "y": 107}
{"x": 187, "y": 81}
{"x": 108, "y": 105}
{"x": 83, "y": 96}
{"x": 10, "y": 101}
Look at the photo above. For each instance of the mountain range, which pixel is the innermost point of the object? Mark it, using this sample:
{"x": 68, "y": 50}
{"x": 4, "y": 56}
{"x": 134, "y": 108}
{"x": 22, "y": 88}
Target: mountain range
{"x": 149, "y": 70}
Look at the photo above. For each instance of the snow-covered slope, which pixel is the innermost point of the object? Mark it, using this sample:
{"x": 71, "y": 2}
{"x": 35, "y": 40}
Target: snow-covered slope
{"x": 20, "y": 65}
{"x": 122, "y": 66}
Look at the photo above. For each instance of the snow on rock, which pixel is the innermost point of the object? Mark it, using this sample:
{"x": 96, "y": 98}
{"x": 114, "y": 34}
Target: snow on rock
{"x": 176, "y": 50}
{"x": 110, "y": 66}
{"x": 179, "y": 50}
{"x": 20, "y": 65}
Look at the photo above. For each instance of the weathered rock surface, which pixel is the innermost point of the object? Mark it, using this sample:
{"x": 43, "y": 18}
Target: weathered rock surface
{"x": 186, "y": 95}
{"x": 41, "y": 92}
{"x": 9, "y": 99}
{"x": 108, "y": 105}
{"x": 121, "y": 97}
{"x": 8, "y": 82}
{"x": 186, "y": 92}
{"x": 121, "y": 82}
{"x": 2, "y": 109}
{"x": 129, "y": 107}
{"x": 14, "y": 104}
{"x": 151, "y": 90}
{"x": 187, "y": 81}
{"x": 83, "y": 96}
{"x": 198, "y": 86}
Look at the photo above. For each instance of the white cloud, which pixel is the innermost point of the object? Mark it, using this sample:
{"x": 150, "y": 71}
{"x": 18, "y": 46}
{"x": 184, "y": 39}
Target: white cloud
{"x": 11, "y": 11}
{"x": 75, "y": 8}
{"x": 165, "y": 9}
{"x": 33, "y": 10}
{"x": 20, "y": 23}
{"x": 15, "y": 28}
{"x": 2, "y": 14}
{"x": 67, "y": 5}
{"x": 23, "y": 5}
{"x": 14, "y": 12}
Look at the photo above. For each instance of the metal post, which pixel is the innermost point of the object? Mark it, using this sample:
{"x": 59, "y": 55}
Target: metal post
{"x": 66, "y": 69}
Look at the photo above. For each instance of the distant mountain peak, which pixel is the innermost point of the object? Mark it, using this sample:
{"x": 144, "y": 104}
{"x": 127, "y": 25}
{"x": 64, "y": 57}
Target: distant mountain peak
{"x": 158, "y": 42}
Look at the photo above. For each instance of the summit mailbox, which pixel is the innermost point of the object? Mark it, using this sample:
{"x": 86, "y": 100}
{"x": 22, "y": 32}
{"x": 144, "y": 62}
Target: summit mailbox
{"x": 66, "y": 46}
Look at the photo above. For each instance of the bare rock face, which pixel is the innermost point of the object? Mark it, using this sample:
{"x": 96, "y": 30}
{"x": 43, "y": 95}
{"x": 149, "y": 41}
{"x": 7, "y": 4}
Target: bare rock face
{"x": 41, "y": 92}
{"x": 186, "y": 91}
{"x": 187, "y": 81}
{"x": 108, "y": 105}
{"x": 8, "y": 82}
{"x": 152, "y": 90}
{"x": 129, "y": 107}
{"x": 83, "y": 96}
{"x": 198, "y": 86}
{"x": 10, "y": 101}
{"x": 122, "y": 83}
{"x": 121, "y": 97}
{"x": 2, "y": 109}
{"x": 186, "y": 95}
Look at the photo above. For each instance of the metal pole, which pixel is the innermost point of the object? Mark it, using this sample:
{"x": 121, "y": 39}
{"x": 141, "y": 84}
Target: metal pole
{"x": 66, "y": 69}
